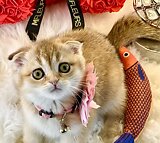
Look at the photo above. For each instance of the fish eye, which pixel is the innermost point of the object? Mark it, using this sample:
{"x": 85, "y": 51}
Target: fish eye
{"x": 64, "y": 67}
{"x": 126, "y": 54}
{"x": 38, "y": 74}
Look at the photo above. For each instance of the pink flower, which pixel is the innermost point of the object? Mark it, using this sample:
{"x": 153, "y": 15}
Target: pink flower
{"x": 89, "y": 92}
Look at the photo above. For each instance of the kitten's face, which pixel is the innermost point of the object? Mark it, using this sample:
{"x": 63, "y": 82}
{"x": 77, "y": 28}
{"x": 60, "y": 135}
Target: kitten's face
{"x": 53, "y": 71}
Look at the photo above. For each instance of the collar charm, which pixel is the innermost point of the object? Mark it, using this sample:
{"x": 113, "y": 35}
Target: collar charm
{"x": 64, "y": 127}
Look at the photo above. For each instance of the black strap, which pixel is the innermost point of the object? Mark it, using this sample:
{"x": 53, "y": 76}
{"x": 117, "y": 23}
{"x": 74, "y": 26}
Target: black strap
{"x": 76, "y": 14}
{"x": 35, "y": 20}
{"x": 52, "y": 115}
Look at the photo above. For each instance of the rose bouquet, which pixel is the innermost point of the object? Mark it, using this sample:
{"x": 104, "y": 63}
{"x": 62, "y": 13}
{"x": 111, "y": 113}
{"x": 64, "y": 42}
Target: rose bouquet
{"x": 12, "y": 11}
{"x": 99, "y": 6}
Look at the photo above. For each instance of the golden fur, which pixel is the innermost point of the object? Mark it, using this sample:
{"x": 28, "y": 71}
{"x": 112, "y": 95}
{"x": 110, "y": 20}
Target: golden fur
{"x": 110, "y": 89}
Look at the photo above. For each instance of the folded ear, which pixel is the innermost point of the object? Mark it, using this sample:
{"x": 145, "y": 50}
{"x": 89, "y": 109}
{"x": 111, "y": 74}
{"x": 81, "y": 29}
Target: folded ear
{"x": 19, "y": 56}
{"x": 75, "y": 46}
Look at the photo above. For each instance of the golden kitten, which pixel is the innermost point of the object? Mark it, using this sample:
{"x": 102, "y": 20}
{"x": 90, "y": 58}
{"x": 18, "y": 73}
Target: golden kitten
{"x": 52, "y": 74}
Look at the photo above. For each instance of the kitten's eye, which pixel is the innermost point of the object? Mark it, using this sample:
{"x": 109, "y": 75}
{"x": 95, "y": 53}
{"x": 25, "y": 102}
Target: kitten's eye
{"x": 64, "y": 67}
{"x": 38, "y": 74}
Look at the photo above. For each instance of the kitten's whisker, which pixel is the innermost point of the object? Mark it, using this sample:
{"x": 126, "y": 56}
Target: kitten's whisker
{"x": 83, "y": 84}
{"x": 98, "y": 93}
{"x": 61, "y": 105}
{"x": 75, "y": 92}
{"x": 81, "y": 90}
{"x": 76, "y": 98}
{"x": 77, "y": 89}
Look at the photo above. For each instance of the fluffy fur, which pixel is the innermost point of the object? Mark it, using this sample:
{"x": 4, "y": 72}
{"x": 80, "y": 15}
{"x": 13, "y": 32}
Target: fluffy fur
{"x": 13, "y": 37}
{"x": 48, "y": 55}
{"x": 11, "y": 114}
{"x": 18, "y": 38}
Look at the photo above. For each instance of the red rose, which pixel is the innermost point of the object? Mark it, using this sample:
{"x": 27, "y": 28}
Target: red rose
{"x": 1, "y": 9}
{"x": 115, "y": 5}
{"x": 99, "y": 6}
{"x": 48, "y": 2}
{"x": 84, "y": 5}
{"x": 12, "y": 11}
{"x": 2, "y": 15}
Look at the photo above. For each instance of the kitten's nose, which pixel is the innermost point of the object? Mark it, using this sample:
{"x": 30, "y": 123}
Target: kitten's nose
{"x": 54, "y": 83}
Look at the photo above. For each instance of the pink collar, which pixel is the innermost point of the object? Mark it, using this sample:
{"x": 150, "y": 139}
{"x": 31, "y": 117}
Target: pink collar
{"x": 47, "y": 115}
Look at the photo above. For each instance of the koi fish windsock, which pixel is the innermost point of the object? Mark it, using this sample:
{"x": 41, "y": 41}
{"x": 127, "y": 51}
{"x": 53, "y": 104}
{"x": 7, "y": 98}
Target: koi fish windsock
{"x": 139, "y": 97}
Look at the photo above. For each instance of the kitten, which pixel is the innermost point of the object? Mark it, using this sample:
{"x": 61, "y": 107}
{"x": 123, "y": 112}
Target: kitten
{"x": 51, "y": 77}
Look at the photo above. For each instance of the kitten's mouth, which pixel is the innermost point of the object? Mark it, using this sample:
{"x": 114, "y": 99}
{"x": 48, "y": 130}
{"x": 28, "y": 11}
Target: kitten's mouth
{"x": 55, "y": 89}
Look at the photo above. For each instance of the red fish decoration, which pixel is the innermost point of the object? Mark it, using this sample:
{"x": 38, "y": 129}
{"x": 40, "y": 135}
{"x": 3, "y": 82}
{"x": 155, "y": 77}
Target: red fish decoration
{"x": 139, "y": 97}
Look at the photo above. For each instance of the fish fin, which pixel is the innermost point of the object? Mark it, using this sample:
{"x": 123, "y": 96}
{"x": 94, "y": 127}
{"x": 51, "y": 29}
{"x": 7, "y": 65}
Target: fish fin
{"x": 125, "y": 138}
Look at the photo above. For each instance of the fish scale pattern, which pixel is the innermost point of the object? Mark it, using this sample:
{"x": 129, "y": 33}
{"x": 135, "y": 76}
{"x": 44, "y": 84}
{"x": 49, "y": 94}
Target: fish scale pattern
{"x": 139, "y": 100}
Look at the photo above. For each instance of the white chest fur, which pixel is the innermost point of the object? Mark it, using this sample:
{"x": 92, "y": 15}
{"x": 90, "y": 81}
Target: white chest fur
{"x": 50, "y": 128}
